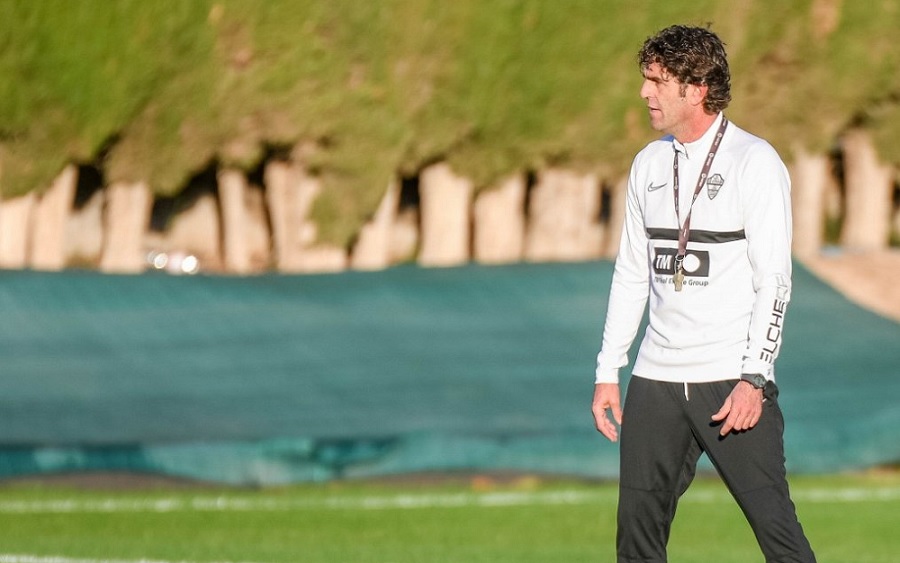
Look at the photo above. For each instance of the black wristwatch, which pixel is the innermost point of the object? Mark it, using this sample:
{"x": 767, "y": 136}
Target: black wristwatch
{"x": 757, "y": 380}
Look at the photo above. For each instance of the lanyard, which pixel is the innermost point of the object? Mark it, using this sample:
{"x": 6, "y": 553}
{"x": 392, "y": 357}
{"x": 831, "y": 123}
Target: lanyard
{"x": 684, "y": 230}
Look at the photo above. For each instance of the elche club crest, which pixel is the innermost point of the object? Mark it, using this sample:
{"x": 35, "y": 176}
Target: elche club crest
{"x": 713, "y": 185}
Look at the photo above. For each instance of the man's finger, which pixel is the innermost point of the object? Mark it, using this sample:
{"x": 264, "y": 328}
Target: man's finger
{"x": 610, "y": 432}
{"x": 727, "y": 427}
{"x": 604, "y": 426}
{"x": 606, "y": 396}
{"x": 742, "y": 423}
{"x": 723, "y": 412}
{"x": 755, "y": 420}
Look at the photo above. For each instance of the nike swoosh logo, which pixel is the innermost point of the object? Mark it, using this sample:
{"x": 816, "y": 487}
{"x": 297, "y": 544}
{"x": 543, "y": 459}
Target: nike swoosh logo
{"x": 652, "y": 188}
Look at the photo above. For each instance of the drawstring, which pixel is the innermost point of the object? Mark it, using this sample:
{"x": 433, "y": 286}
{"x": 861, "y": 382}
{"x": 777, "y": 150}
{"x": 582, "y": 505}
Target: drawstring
{"x": 687, "y": 394}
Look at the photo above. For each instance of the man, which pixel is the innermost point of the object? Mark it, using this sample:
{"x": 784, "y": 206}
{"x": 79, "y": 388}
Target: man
{"x": 707, "y": 238}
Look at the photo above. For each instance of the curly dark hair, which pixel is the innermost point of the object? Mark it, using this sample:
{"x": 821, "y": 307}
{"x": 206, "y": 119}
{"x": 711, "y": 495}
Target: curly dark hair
{"x": 692, "y": 55}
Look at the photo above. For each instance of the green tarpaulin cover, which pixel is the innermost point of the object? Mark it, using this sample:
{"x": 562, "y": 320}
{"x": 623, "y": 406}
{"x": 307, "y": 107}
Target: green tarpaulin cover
{"x": 277, "y": 379}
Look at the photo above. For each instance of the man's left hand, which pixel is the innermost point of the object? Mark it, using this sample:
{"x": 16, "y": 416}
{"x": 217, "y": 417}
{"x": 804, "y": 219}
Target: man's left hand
{"x": 741, "y": 409}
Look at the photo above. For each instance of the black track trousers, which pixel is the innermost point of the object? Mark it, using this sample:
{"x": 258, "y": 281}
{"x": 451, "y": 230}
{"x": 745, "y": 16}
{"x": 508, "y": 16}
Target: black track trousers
{"x": 665, "y": 428}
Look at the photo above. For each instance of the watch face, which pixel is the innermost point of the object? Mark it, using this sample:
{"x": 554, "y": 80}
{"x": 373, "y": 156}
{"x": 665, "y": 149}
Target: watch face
{"x": 756, "y": 380}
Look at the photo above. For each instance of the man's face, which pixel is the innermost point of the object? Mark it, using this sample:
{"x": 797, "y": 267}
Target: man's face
{"x": 669, "y": 109}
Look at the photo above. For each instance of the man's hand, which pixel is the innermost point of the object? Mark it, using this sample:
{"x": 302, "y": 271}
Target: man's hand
{"x": 606, "y": 396}
{"x": 741, "y": 409}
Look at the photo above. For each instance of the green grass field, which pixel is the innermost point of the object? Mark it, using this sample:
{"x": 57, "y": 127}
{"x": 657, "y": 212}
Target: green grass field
{"x": 849, "y": 519}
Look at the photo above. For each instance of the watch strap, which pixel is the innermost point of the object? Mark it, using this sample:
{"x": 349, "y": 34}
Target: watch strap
{"x": 757, "y": 380}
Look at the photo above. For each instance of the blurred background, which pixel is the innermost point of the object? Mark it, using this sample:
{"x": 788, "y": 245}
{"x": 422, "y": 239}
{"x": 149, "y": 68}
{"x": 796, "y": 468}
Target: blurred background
{"x": 274, "y": 241}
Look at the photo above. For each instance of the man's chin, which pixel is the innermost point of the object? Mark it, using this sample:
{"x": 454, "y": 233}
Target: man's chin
{"x": 656, "y": 125}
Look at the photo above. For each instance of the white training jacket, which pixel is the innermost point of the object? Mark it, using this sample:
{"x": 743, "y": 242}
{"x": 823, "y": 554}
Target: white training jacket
{"x": 728, "y": 318}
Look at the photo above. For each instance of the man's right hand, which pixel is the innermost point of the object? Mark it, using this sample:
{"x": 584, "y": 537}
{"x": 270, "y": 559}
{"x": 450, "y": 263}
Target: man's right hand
{"x": 606, "y": 396}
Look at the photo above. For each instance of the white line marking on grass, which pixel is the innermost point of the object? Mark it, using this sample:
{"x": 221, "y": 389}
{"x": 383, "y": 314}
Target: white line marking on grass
{"x": 846, "y": 495}
{"x": 238, "y": 504}
{"x": 402, "y": 501}
{"x": 11, "y": 558}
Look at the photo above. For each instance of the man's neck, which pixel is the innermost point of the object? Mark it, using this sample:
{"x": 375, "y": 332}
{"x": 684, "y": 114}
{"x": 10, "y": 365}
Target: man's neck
{"x": 695, "y": 128}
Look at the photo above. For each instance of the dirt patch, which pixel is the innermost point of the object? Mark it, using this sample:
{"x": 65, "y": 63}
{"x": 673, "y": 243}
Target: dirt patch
{"x": 869, "y": 279}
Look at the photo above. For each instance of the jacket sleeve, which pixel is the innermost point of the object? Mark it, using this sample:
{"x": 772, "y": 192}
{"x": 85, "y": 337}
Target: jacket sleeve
{"x": 767, "y": 226}
{"x": 628, "y": 292}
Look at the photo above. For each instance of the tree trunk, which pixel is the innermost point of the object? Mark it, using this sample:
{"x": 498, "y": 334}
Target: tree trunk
{"x": 563, "y": 222}
{"x": 446, "y": 216}
{"x": 290, "y": 194}
{"x": 613, "y": 235}
{"x": 811, "y": 175}
{"x": 232, "y": 188}
{"x": 197, "y": 230}
{"x": 48, "y": 241}
{"x": 372, "y": 250}
{"x": 278, "y": 177}
{"x": 127, "y": 215}
{"x": 499, "y": 225}
{"x": 404, "y": 239}
{"x": 869, "y": 186}
{"x": 257, "y": 231}
{"x": 15, "y": 226}
{"x": 895, "y": 223}
{"x": 84, "y": 232}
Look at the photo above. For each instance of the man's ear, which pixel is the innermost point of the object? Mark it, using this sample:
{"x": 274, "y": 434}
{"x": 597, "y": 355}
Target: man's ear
{"x": 696, "y": 94}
